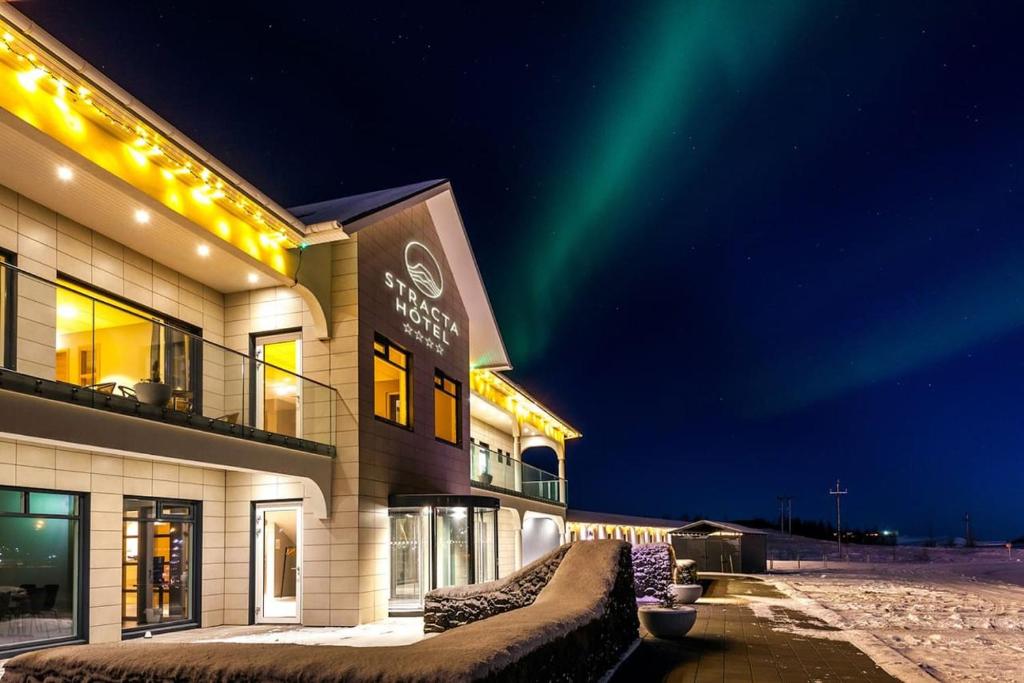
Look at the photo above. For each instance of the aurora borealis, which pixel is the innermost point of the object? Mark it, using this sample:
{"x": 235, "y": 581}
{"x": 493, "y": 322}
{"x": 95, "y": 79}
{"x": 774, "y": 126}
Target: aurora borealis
{"x": 745, "y": 247}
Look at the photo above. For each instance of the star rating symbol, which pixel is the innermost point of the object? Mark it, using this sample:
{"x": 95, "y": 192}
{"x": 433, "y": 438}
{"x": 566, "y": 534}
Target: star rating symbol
{"x": 440, "y": 350}
{"x": 407, "y": 328}
{"x": 419, "y": 336}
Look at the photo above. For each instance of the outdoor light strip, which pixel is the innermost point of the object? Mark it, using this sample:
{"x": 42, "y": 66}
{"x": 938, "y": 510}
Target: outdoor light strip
{"x": 70, "y": 91}
{"x": 503, "y": 394}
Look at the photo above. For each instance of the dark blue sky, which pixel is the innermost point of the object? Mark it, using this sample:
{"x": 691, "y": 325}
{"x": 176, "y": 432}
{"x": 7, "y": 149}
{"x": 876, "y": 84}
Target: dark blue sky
{"x": 745, "y": 248}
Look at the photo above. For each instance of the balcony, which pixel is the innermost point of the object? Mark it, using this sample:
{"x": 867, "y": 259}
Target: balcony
{"x": 79, "y": 347}
{"x": 501, "y": 472}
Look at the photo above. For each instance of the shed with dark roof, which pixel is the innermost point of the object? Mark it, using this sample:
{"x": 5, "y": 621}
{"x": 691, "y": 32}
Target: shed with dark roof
{"x": 722, "y": 547}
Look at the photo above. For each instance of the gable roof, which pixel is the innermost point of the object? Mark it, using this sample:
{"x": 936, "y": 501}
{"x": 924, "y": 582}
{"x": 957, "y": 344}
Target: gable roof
{"x": 707, "y": 526}
{"x": 339, "y": 218}
{"x": 348, "y": 210}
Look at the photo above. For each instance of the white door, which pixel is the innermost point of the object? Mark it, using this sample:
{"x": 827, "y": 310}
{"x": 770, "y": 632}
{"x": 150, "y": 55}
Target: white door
{"x": 278, "y": 383}
{"x": 278, "y": 541}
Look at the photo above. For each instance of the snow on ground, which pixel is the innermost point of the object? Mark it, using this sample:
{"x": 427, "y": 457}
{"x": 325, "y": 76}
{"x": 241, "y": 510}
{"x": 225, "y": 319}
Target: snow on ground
{"x": 387, "y": 632}
{"x": 958, "y": 617}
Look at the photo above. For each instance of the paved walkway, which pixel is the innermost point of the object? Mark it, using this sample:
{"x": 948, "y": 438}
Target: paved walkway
{"x": 730, "y": 643}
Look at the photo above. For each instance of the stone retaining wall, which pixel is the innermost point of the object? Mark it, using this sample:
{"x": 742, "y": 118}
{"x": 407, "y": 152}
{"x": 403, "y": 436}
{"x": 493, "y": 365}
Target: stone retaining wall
{"x": 446, "y": 608}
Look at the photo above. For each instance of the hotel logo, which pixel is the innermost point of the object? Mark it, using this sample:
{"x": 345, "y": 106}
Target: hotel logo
{"x": 424, "y": 270}
{"x": 424, "y": 320}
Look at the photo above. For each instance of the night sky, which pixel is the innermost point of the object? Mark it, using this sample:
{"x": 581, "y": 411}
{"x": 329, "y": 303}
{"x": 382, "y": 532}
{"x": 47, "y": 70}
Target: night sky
{"x": 745, "y": 247}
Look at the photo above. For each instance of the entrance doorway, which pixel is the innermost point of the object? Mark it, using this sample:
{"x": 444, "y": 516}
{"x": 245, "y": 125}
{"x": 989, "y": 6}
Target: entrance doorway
{"x": 439, "y": 541}
{"x": 159, "y": 565}
{"x": 278, "y": 388}
{"x": 278, "y": 559}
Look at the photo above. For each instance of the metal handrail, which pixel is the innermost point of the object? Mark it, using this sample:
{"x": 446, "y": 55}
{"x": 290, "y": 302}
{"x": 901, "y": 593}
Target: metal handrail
{"x": 191, "y": 335}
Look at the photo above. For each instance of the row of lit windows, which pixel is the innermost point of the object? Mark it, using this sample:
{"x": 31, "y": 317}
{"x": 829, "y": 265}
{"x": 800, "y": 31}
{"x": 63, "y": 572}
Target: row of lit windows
{"x": 392, "y": 390}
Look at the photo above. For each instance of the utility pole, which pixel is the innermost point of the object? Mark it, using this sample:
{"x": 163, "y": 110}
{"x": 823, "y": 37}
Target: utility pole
{"x": 838, "y": 493}
{"x": 784, "y": 508}
{"x": 967, "y": 530}
{"x": 785, "y": 502}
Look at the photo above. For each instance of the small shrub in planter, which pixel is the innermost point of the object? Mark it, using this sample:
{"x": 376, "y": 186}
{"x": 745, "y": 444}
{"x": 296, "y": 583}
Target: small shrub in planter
{"x": 686, "y": 572}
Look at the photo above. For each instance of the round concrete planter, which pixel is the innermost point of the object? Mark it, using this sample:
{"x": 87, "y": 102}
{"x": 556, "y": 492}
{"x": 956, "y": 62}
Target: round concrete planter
{"x": 153, "y": 393}
{"x": 667, "y": 622}
{"x": 685, "y": 594}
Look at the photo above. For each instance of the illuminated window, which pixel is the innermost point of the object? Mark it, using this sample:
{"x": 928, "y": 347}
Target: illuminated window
{"x": 41, "y": 541}
{"x": 447, "y": 412}
{"x": 390, "y": 382}
{"x": 111, "y": 345}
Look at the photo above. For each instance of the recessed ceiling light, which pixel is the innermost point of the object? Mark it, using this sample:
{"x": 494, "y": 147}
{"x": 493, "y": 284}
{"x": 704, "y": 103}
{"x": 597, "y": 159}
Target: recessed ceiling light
{"x": 253, "y": 278}
{"x": 65, "y": 173}
{"x": 141, "y": 216}
{"x": 203, "y": 250}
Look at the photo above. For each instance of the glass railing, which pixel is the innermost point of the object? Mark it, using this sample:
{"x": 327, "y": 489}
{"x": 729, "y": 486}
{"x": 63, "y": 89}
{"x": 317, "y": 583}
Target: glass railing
{"x": 501, "y": 470}
{"x": 538, "y": 483}
{"x": 84, "y": 347}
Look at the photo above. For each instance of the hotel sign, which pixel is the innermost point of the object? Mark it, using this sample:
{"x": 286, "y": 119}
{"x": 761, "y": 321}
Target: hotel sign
{"x": 425, "y": 321}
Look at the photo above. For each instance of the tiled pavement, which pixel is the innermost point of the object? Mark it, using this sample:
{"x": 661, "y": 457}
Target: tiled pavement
{"x": 730, "y": 643}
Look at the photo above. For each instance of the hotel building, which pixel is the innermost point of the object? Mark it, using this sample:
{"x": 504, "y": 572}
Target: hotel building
{"x": 215, "y": 410}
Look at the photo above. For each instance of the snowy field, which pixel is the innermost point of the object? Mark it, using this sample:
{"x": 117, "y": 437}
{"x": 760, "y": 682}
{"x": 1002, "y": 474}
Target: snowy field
{"x": 957, "y": 617}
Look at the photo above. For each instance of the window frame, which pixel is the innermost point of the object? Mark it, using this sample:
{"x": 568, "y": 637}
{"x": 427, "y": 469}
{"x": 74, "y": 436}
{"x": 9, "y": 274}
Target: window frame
{"x": 195, "y": 571}
{"x": 442, "y": 376}
{"x": 81, "y": 578}
{"x": 388, "y": 344}
{"x": 254, "y": 339}
{"x": 195, "y": 338}
{"x": 9, "y": 311}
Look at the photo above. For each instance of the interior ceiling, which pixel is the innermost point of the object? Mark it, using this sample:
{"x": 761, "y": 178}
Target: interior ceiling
{"x": 76, "y": 313}
{"x": 284, "y": 520}
{"x": 481, "y": 410}
{"x": 96, "y": 199}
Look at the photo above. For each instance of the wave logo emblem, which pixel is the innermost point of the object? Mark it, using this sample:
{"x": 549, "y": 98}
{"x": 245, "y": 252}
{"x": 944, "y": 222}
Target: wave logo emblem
{"x": 424, "y": 270}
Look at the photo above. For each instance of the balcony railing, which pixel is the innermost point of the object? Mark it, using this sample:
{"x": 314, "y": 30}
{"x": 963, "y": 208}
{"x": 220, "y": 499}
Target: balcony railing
{"x": 78, "y": 346}
{"x": 502, "y": 471}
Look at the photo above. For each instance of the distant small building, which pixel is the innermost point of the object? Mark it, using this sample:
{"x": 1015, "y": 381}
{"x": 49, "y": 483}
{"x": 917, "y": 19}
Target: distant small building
{"x": 721, "y": 547}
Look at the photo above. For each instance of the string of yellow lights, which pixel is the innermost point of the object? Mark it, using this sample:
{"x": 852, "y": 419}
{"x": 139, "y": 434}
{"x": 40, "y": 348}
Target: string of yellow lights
{"x": 501, "y": 393}
{"x": 146, "y": 145}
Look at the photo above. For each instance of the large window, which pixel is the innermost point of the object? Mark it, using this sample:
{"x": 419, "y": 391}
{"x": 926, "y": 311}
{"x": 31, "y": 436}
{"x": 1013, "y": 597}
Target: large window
{"x": 160, "y": 564}
{"x": 390, "y": 382}
{"x": 112, "y": 346}
{"x": 447, "y": 409}
{"x": 41, "y": 540}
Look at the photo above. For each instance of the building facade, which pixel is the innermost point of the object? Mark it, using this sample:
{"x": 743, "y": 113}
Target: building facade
{"x": 214, "y": 410}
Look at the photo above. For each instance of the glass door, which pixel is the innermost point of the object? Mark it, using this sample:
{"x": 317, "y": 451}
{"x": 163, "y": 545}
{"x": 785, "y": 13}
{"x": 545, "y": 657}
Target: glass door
{"x": 159, "y": 559}
{"x": 451, "y": 546}
{"x": 278, "y": 390}
{"x": 410, "y": 559}
{"x": 278, "y": 563}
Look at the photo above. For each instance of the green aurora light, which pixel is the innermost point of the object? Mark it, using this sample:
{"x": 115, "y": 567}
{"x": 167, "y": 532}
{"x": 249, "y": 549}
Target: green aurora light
{"x": 681, "y": 51}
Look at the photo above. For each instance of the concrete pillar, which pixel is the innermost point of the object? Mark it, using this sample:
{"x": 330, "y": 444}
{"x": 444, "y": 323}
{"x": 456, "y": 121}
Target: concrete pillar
{"x": 562, "y": 489}
{"x": 517, "y": 453}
